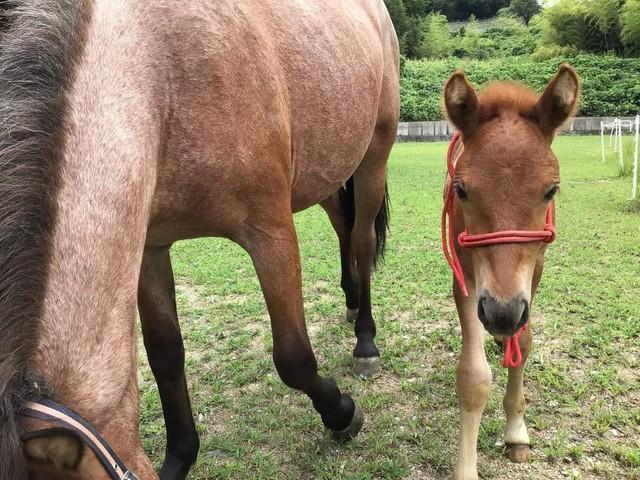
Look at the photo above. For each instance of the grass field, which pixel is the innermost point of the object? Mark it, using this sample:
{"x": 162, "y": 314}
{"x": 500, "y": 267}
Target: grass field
{"x": 582, "y": 381}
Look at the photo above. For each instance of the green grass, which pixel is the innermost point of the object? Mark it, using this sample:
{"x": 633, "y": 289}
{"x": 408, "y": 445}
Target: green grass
{"x": 581, "y": 382}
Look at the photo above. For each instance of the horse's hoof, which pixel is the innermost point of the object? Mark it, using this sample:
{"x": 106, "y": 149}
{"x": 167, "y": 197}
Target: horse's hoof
{"x": 366, "y": 367}
{"x": 518, "y": 452}
{"x": 352, "y": 430}
{"x": 352, "y": 315}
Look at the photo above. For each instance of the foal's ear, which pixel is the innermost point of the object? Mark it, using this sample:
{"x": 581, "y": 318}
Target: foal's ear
{"x": 460, "y": 101}
{"x": 559, "y": 100}
{"x": 53, "y": 448}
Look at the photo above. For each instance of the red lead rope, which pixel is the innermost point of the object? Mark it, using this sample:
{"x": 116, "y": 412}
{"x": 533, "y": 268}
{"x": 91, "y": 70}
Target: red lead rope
{"x": 512, "y": 354}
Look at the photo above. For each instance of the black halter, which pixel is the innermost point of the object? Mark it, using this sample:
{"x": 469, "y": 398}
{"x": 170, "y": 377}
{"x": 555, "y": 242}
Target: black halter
{"x": 51, "y": 411}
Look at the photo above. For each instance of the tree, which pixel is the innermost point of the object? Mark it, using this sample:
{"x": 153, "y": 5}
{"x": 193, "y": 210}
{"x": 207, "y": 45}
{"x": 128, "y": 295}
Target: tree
{"x": 418, "y": 8}
{"x": 604, "y": 15}
{"x": 398, "y": 14}
{"x": 563, "y": 24}
{"x": 524, "y": 9}
{"x": 436, "y": 38}
{"x": 413, "y": 38}
{"x": 630, "y": 19}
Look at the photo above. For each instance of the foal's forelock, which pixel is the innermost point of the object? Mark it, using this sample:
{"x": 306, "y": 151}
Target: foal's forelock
{"x": 39, "y": 40}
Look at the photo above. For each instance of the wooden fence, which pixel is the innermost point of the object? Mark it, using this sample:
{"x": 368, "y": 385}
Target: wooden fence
{"x": 441, "y": 130}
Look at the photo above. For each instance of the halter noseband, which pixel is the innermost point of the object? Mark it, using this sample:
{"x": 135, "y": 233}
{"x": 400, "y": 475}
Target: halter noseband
{"x": 50, "y": 411}
{"x": 512, "y": 354}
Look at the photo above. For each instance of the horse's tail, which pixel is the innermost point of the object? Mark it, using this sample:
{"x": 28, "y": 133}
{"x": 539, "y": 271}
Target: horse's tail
{"x": 381, "y": 224}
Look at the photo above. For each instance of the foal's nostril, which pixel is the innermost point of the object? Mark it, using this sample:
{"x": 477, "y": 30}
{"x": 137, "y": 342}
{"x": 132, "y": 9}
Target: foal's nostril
{"x": 482, "y": 314}
{"x": 525, "y": 313}
{"x": 503, "y": 317}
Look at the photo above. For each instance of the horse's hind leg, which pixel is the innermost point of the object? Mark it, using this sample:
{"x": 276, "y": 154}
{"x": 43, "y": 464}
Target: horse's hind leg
{"x": 163, "y": 342}
{"x": 370, "y": 189}
{"x": 273, "y": 247}
{"x": 342, "y": 226}
{"x": 516, "y": 438}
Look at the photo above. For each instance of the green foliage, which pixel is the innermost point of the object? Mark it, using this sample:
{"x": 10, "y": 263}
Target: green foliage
{"x": 630, "y": 19}
{"x": 564, "y": 24}
{"x": 509, "y": 36}
{"x": 547, "y": 52}
{"x": 463, "y": 9}
{"x": 436, "y": 39}
{"x": 610, "y": 85}
{"x": 598, "y": 26}
{"x": 604, "y": 15}
{"x": 415, "y": 25}
{"x": 588, "y": 25}
{"x": 524, "y": 9}
{"x": 472, "y": 44}
{"x": 398, "y": 14}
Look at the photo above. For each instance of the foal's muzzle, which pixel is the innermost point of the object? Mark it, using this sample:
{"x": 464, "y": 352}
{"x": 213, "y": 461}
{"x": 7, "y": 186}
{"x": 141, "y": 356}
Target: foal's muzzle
{"x": 501, "y": 318}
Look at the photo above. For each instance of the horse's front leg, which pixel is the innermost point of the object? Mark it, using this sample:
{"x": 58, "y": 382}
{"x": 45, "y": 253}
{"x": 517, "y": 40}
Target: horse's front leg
{"x": 473, "y": 384}
{"x": 516, "y": 438}
{"x": 165, "y": 350}
{"x": 272, "y": 244}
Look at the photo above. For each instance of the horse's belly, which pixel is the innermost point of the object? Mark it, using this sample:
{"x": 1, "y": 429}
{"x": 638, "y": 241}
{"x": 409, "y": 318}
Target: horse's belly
{"x": 321, "y": 172}
{"x": 266, "y": 95}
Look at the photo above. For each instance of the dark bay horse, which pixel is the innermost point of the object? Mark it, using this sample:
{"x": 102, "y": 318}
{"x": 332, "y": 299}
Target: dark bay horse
{"x": 502, "y": 182}
{"x": 128, "y": 125}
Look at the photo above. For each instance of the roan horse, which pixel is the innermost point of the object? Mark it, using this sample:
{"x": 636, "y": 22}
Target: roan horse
{"x": 128, "y": 125}
{"x": 504, "y": 180}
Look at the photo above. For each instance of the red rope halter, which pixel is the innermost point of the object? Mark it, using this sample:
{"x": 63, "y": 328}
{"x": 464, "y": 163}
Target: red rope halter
{"x": 512, "y": 354}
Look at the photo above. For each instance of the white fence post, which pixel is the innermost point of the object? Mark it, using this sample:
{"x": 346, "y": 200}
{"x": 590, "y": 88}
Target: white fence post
{"x": 620, "y": 145}
{"x": 602, "y": 139}
{"x": 634, "y": 190}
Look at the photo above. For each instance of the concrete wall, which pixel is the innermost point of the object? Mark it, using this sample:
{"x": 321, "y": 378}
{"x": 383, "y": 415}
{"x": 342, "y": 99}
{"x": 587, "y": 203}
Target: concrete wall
{"x": 441, "y": 130}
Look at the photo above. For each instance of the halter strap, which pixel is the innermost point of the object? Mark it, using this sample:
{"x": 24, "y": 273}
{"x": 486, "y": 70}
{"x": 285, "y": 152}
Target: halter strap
{"x": 512, "y": 354}
{"x": 51, "y": 411}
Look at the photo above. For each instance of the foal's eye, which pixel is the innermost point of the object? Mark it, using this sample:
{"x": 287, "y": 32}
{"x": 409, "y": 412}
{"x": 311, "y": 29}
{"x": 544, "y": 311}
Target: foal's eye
{"x": 460, "y": 191}
{"x": 551, "y": 193}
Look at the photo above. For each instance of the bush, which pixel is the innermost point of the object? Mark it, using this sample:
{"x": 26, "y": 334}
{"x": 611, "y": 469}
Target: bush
{"x": 510, "y": 37}
{"x": 610, "y": 85}
{"x": 548, "y": 52}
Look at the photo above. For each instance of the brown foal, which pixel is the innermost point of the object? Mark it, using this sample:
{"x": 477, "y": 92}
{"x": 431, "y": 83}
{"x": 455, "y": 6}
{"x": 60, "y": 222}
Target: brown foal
{"x": 505, "y": 178}
{"x": 128, "y": 125}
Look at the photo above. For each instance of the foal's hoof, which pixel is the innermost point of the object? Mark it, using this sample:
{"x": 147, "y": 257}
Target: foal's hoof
{"x": 352, "y": 315}
{"x": 366, "y": 367}
{"x": 518, "y": 452}
{"x": 352, "y": 430}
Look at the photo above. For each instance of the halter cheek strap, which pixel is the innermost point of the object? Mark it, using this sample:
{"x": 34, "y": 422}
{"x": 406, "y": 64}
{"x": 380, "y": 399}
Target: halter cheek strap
{"x": 512, "y": 354}
{"x": 50, "y": 411}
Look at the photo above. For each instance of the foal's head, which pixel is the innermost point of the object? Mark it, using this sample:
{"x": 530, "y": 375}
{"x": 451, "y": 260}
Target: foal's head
{"x": 506, "y": 178}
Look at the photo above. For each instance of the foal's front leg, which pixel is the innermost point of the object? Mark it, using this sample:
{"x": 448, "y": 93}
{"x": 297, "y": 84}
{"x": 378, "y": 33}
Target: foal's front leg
{"x": 273, "y": 247}
{"x": 473, "y": 384}
{"x": 516, "y": 438}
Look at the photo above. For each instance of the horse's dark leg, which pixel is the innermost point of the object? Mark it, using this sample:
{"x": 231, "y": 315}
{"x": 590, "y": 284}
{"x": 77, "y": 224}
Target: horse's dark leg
{"x": 163, "y": 342}
{"x": 370, "y": 189}
{"x": 349, "y": 278}
{"x": 273, "y": 246}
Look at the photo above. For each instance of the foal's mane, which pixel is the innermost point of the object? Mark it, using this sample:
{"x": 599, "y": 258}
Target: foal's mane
{"x": 39, "y": 40}
{"x": 500, "y": 96}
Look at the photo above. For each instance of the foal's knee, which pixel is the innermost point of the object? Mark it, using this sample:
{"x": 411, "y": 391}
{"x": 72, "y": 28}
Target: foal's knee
{"x": 473, "y": 385}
